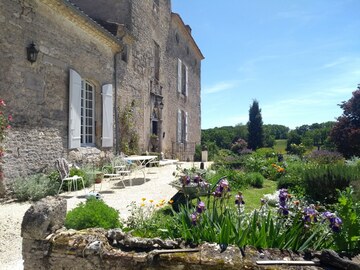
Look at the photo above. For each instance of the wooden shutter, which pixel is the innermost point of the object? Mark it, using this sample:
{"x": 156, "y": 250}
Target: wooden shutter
{"x": 108, "y": 116}
{"x": 179, "y": 126}
{"x": 186, "y": 81}
{"x": 186, "y": 126}
{"x": 179, "y": 76}
{"x": 74, "y": 109}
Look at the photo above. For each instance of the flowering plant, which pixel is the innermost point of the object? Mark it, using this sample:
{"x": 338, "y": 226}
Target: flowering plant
{"x": 4, "y": 120}
{"x": 190, "y": 181}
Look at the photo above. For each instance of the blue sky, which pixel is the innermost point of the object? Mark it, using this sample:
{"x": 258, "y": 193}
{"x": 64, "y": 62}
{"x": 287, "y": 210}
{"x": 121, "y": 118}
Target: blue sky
{"x": 299, "y": 59}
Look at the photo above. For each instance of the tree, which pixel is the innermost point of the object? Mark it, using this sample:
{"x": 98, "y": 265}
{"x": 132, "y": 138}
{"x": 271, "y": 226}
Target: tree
{"x": 346, "y": 131}
{"x": 255, "y": 127}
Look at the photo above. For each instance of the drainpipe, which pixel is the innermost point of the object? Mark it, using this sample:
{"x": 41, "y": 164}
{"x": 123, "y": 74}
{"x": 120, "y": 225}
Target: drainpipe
{"x": 117, "y": 131}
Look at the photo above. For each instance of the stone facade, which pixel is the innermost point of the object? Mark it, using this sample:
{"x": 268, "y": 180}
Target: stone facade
{"x": 133, "y": 46}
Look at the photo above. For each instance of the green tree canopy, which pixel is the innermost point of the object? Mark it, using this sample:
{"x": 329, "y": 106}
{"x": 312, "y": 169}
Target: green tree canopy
{"x": 255, "y": 127}
{"x": 346, "y": 131}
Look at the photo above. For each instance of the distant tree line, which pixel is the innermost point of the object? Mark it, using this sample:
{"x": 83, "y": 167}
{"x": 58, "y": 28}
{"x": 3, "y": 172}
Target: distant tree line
{"x": 342, "y": 135}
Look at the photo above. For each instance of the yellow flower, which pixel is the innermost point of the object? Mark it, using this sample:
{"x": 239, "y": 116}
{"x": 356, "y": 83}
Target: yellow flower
{"x": 142, "y": 205}
{"x": 151, "y": 201}
{"x": 143, "y": 199}
{"x": 171, "y": 201}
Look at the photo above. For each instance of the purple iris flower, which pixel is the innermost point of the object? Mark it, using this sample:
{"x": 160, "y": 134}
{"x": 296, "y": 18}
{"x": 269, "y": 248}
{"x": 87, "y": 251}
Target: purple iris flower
{"x": 200, "y": 207}
{"x": 239, "y": 199}
{"x": 194, "y": 218}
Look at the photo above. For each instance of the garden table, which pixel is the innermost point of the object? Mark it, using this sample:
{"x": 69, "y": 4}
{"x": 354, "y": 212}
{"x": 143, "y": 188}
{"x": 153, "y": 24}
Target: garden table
{"x": 140, "y": 163}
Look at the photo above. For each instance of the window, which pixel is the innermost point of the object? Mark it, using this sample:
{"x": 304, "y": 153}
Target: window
{"x": 156, "y": 61}
{"x": 182, "y": 78}
{"x": 87, "y": 114}
{"x": 82, "y": 113}
{"x": 182, "y": 126}
{"x": 156, "y": 6}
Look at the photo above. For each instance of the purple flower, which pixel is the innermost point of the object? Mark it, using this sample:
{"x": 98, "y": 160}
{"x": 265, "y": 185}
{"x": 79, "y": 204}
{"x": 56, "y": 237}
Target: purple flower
{"x": 194, "y": 218}
{"x": 200, "y": 207}
{"x": 310, "y": 214}
{"x": 283, "y": 197}
{"x": 197, "y": 179}
{"x": 334, "y": 221}
{"x": 221, "y": 188}
{"x": 239, "y": 199}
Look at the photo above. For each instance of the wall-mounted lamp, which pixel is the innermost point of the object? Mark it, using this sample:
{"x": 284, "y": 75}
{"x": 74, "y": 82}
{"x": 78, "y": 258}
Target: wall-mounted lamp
{"x": 32, "y": 52}
{"x": 161, "y": 105}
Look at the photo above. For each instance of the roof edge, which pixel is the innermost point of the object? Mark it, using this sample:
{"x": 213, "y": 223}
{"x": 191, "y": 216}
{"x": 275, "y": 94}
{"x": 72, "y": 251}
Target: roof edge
{"x": 180, "y": 21}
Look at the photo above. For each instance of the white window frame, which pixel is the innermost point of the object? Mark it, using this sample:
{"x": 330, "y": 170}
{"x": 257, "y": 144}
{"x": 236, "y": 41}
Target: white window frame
{"x": 76, "y": 84}
{"x": 183, "y": 78}
{"x": 182, "y": 126}
{"x": 87, "y": 116}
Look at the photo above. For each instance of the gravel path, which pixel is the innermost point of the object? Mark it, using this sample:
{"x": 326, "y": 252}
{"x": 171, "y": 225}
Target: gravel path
{"x": 156, "y": 188}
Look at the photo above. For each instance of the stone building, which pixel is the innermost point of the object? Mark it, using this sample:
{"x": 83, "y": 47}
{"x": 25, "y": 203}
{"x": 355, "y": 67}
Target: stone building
{"x": 110, "y": 76}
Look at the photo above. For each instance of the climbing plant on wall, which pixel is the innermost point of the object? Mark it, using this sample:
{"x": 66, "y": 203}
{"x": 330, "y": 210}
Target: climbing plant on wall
{"x": 129, "y": 139}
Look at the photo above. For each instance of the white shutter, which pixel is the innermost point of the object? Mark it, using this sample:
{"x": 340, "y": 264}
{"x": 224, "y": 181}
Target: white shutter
{"x": 186, "y": 81}
{"x": 186, "y": 126}
{"x": 179, "y": 126}
{"x": 108, "y": 116}
{"x": 179, "y": 76}
{"x": 74, "y": 109}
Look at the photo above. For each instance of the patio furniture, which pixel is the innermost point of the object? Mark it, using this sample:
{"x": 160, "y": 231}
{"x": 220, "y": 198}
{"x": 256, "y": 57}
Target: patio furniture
{"x": 139, "y": 163}
{"x": 64, "y": 170}
{"x": 118, "y": 170}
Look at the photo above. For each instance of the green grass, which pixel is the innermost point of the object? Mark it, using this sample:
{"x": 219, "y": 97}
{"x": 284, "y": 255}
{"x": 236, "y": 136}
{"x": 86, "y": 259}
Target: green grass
{"x": 280, "y": 146}
{"x": 252, "y": 196}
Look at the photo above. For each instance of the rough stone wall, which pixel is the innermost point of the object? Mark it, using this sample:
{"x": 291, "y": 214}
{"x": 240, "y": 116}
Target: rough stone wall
{"x": 149, "y": 23}
{"x": 178, "y": 46}
{"x": 37, "y": 94}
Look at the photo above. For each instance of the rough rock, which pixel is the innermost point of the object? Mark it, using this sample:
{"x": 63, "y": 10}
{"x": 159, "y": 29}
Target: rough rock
{"x": 43, "y": 218}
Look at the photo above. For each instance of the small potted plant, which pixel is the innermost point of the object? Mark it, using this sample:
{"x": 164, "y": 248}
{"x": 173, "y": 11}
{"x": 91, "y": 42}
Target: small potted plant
{"x": 99, "y": 176}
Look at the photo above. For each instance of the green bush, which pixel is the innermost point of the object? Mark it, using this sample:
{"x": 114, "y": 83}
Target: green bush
{"x": 35, "y": 187}
{"x": 322, "y": 181}
{"x": 255, "y": 179}
{"x": 92, "y": 214}
{"x": 348, "y": 239}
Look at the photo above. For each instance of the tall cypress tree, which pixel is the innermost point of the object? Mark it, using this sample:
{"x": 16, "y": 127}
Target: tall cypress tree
{"x": 255, "y": 127}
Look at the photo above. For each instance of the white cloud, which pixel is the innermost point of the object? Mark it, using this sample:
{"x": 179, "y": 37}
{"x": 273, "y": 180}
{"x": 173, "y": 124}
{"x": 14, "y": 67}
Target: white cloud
{"x": 218, "y": 87}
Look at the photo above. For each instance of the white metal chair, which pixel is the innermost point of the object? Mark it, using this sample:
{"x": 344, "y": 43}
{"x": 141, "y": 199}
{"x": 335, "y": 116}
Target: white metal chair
{"x": 64, "y": 170}
{"x": 119, "y": 169}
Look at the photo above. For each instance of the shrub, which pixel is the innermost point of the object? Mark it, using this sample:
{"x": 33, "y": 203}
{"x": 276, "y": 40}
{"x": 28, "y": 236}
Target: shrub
{"x": 348, "y": 240}
{"x": 239, "y": 146}
{"x": 266, "y": 152}
{"x": 236, "y": 178}
{"x": 325, "y": 157}
{"x": 255, "y": 179}
{"x": 322, "y": 181}
{"x": 35, "y": 187}
{"x": 92, "y": 214}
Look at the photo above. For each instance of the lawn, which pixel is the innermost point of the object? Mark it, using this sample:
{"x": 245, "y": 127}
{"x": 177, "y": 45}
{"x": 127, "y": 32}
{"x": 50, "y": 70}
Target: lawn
{"x": 252, "y": 196}
{"x": 280, "y": 146}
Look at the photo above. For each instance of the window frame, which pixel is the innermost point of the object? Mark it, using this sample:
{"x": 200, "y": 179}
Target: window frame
{"x": 87, "y": 105}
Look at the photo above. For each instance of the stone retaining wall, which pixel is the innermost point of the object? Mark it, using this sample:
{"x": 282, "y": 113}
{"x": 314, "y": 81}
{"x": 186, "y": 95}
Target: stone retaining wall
{"x": 47, "y": 245}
